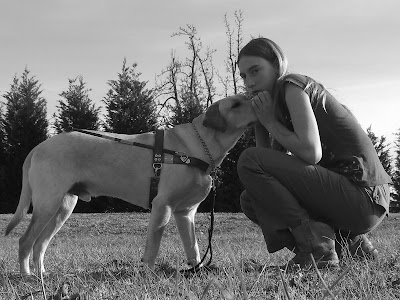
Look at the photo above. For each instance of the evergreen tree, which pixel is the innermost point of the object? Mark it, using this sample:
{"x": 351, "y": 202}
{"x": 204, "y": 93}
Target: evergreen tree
{"x": 3, "y": 160}
{"x": 130, "y": 107}
{"x": 188, "y": 110}
{"x": 76, "y": 110}
{"x": 396, "y": 172}
{"x": 2, "y": 138}
{"x": 382, "y": 149}
{"x": 25, "y": 126}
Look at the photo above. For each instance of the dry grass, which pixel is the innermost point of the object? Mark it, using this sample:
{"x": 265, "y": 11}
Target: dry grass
{"x": 97, "y": 256}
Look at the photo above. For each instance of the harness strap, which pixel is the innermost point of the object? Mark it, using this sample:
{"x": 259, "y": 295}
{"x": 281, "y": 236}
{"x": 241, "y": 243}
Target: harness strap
{"x": 158, "y": 155}
{"x": 115, "y": 139}
{"x": 158, "y": 160}
{"x": 177, "y": 157}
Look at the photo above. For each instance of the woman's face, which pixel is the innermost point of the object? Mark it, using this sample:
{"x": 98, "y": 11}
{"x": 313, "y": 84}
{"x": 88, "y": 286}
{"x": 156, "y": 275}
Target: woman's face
{"x": 258, "y": 74}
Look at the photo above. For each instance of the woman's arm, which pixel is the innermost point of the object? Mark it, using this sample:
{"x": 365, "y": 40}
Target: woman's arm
{"x": 262, "y": 136}
{"x": 304, "y": 141}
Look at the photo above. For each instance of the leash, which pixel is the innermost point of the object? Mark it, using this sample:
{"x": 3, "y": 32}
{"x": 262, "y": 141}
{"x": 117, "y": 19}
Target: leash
{"x": 197, "y": 267}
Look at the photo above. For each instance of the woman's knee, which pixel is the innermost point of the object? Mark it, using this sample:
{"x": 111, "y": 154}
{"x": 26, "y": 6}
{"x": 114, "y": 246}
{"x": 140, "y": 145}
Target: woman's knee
{"x": 245, "y": 201}
{"x": 247, "y": 208}
{"x": 247, "y": 160}
{"x": 368, "y": 222}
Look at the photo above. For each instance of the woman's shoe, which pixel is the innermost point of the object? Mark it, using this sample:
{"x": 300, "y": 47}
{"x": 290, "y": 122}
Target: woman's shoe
{"x": 358, "y": 246}
{"x": 314, "y": 238}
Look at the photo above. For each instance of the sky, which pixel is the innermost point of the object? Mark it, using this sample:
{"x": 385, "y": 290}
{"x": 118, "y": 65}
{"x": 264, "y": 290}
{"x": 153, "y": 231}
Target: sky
{"x": 351, "y": 46}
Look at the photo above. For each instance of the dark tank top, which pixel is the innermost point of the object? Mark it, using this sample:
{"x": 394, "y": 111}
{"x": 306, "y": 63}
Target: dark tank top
{"x": 346, "y": 147}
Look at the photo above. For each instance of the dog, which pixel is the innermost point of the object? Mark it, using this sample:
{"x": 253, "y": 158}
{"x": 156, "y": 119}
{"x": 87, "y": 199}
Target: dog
{"x": 71, "y": 166}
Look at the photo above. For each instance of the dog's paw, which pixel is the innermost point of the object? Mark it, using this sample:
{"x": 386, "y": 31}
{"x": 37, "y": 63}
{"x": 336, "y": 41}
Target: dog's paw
{"x": 193, "y": 262}
{"x": 147, "y": 264}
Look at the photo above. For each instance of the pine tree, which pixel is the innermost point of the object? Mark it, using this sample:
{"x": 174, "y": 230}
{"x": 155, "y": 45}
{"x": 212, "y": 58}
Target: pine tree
{"x": 25, "y": 126}
{"x": 76, "y": 110}
{"x": 130, "y": 107}
{"x": 382, "y": 149}
{"x": 3, "y": 160}
{"x": 188, "y": 110}
{"x": 396, "y": 172}
{"x": 2, "y": 138}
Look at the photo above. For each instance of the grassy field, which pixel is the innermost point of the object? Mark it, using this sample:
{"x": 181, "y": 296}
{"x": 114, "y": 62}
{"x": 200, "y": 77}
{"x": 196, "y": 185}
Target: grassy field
{"x": 97, "y": 256}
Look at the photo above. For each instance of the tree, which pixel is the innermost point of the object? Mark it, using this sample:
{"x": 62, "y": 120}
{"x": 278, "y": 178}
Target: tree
{"x": 231, "y": 81}
{"x": 2, "y": 138}
{"x": 3, "y": 159}
{"x": 382, "y": 149}
{"x": 187, "y": 88}
{"x": 76, "y": 110}
{"x": 396, "y": 172}
{"x": 189, "y": 110}
{"x": 130, "y": 106}
{"x": 130, "y": 109}
{"x": 199, "y": 73}
{"x": 25, "y": 126}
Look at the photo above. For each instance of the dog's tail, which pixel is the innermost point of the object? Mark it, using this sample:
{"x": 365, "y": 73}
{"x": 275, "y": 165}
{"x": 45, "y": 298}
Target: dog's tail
{"x": 25, "y": 198}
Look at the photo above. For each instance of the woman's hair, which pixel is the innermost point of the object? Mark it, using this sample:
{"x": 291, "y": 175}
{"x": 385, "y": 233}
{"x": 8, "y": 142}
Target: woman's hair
{"x": 269, "y": 50}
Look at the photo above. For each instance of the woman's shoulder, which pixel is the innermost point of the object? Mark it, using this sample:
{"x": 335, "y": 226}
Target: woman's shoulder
{"x": 297, "y": 79}
{"x": 313, "y": 88}
{"x": 300, "y": 80}
{"x": 294, "y": 76}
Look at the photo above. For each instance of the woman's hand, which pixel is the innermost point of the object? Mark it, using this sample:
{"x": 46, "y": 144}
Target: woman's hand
{"x": 263, "y": 107}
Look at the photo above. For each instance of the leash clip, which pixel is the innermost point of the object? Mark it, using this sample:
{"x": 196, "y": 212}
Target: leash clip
{"x": 157, "y": 169}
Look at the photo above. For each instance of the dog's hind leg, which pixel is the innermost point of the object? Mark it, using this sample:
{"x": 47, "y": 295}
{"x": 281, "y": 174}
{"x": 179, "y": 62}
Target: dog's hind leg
{"x": 42, "y": 213}
{"x": 57, "y": 221}
{"x": 184, "y": 220}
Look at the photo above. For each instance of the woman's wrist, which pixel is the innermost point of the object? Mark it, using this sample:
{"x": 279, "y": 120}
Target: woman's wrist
{"x": 269, "y": 124}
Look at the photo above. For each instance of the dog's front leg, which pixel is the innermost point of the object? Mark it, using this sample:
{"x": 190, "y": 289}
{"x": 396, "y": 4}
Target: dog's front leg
{"x": 185, "y": 222}
{"x": 159, "y": 218}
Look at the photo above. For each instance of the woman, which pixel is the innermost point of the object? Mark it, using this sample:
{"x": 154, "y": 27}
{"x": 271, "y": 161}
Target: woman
{"x": 329, "y": 179}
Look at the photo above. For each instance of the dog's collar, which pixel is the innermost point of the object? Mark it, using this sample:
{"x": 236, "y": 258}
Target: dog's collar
{"x": 212, "y": 163}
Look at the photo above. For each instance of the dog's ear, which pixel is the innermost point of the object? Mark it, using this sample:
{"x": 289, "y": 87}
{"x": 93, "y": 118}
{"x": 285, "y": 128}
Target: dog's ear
{"x": 213, "y": 118}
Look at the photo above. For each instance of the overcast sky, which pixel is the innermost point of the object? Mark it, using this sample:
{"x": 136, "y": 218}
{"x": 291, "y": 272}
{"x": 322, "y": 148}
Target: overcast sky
{"x": 352, "y": 47}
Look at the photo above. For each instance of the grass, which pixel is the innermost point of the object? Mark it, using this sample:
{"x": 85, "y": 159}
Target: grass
{"x": 97, "y": 256}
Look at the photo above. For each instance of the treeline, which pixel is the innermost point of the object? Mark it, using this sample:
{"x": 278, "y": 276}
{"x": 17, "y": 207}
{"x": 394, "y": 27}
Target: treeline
{"x": 183, "y": 90}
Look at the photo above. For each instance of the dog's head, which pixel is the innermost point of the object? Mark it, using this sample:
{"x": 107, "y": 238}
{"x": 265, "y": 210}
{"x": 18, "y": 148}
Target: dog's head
{"x": 233, "y": 112}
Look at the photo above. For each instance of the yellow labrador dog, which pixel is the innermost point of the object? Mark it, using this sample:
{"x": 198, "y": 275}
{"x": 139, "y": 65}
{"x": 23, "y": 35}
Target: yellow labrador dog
{"x": 74, "y": 165}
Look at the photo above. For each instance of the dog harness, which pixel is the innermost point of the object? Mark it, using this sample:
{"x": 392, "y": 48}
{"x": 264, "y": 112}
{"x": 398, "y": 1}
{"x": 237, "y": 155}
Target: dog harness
{"x": 160, "y": 156}
{"x": 165, "y": 156}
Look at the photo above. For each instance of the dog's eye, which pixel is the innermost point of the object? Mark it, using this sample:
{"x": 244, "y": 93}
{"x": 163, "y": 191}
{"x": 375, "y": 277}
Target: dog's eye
{"x": 236, "y": 105}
